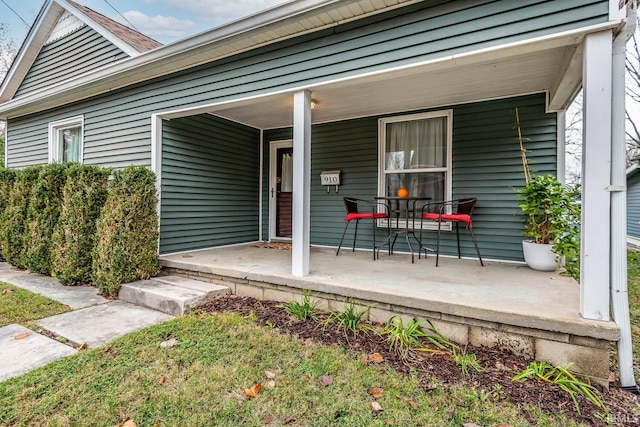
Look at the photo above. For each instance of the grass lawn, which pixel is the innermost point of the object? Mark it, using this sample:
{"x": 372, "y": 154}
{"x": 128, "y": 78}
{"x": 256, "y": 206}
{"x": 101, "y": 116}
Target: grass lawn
{"x": 202, "y": 381}
{"x": 20, "y": 306}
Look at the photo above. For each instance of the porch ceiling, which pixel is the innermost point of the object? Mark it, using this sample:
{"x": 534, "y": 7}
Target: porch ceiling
{"x": 440, "y": 83}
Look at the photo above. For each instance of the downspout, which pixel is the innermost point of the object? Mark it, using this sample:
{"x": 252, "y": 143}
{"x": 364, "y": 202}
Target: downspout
{"x": 619, "y": 294}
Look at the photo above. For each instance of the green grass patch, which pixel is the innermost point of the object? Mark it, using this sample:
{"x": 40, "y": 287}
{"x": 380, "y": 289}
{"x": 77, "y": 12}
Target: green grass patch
{"x": 20, "y": 306}
{"x": 206, "y": 373}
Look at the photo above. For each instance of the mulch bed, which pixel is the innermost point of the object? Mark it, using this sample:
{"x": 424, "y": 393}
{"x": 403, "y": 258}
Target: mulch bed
{"x": 440, "y": 369}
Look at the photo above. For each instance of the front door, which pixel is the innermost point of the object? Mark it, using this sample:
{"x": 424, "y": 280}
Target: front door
{"x": 280, "y": 190}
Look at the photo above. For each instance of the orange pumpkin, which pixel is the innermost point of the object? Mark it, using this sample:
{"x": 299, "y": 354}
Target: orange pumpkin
{"x": 403, "y": 192}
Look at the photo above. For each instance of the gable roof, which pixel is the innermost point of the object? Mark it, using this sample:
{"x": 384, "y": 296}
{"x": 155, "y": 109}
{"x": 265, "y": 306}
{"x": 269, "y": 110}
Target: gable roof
{"x": 129, "y": 41}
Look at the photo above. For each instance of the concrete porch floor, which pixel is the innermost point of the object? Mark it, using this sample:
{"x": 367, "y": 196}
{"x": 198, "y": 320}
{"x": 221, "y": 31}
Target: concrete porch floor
{"x": 507, "y": 293}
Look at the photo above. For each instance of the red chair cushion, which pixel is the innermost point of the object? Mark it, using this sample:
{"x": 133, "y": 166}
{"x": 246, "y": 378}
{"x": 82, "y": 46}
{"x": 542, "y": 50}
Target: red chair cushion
{"x": 357, "y": 215}
{"x": 448, "y": 217}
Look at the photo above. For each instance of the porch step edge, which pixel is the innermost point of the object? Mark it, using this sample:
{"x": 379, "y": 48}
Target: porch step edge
{"x": 171, "y": 294}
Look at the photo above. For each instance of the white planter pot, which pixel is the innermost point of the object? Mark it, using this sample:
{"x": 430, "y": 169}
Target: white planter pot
{"x": 539, "y": 256}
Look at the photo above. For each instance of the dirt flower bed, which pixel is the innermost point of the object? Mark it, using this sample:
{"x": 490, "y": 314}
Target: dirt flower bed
{"x": 439, "y": 369}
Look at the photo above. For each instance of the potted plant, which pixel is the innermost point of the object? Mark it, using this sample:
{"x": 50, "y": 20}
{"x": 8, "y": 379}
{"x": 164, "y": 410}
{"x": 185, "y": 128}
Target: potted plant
{"x": 551, "y": 217}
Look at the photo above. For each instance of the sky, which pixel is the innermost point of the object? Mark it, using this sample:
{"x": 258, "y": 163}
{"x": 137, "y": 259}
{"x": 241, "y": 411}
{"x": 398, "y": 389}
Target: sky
{"x": 163, "y": 20}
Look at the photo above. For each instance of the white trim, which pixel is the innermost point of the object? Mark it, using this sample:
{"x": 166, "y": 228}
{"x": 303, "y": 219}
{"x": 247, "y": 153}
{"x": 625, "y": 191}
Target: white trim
{"x": 561, "y": 145}
{"x": 260, "y": 189}
{"x": 99, "y": 81}
{"x": 448, "y": 190}
{"x": 273, "y": 167}
{"x": 156, "y": 162}
{"x": 54, "y": 142}
{"x": 6, "y": 144}
{"x": 633, "y": 241}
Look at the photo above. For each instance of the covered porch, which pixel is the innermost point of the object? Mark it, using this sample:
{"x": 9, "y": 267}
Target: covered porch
{"x": 506, "y": 305}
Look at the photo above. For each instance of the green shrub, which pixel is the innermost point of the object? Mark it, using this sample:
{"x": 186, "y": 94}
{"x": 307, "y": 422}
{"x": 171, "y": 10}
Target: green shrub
{"x": 7, "y": 179}
{"x": 12, "y": 225}
{"x": 42, "y": 217}
{"x": 74, "y": 236}
{"x": 127, "y": 231}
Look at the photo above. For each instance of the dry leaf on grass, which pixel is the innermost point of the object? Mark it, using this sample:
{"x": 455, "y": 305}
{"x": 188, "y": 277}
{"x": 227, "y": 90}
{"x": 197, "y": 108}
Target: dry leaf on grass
{"x": 326, "y": 380}
{"x": 376, "y": 358}
{"x": 253, "y": 391}
{"x": 21, "y": 336}
{"x": 82, "y": 346}
{"x": 376, "y": 407}
{"x": 389, "y": 422}
{"x": 290, "y": 420}
{"x": 270, "y": 375}
{"x": 128, "y": 423}
{"x": 7, "y": 291}
{"x": 271, "y": 384}
{"x": 268, "y": 419}
{"x": 413, "y": 404}
{"x": 470, "y": 425}
{"x": 162, "y": 380}
{"x": 376, "y": 392}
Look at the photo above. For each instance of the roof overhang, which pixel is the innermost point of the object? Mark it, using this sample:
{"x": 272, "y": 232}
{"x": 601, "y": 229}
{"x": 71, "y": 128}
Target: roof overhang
{"x": 552, "y": 65}
{"x": 279, "y": 23}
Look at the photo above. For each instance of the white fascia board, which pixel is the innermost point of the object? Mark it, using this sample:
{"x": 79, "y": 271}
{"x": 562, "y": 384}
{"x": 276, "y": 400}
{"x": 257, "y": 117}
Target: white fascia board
{"x": 44, "y": 23}
{"x": 126, "y": 48}
{"x": 162, "y": 61}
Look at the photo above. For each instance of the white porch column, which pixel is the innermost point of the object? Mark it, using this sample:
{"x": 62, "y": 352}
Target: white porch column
{"x": 596, "y": 173}
{"x": 301, "y": 183}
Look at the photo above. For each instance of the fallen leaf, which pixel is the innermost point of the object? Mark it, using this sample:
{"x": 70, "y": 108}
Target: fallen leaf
{"x": 363, "y": 360}
{"x": 268, "y": 419}
{"x": 290, "y": 420}
{"x": 376, "y": 406}
{"x": 336, "y": 368}
{"x": 7, "y": 291}
{"x": 326, "y": 380}
{"x": 82, "y": 346}
{"x": 376, "y": 357}
{"x": 389, "y": 422}
{"x": 376, "y": 392}
{"x": 162, "y": 380}
{"x": 269, "y": 375}
{"x": 187, "y": 256}
{"x": 308, "y": 342}
{"x": 470, "y": 425}
{"x": 169, "y": 343}
{"x": 253, "y": 391}
{"x": 504, "y": 425}
{"x": 106, "y": 349}
{"x": 129, "y": 423}
{"x": 21, "y": 336}
{"x": 271, "y": 384}
{"x": 413, "y": 404}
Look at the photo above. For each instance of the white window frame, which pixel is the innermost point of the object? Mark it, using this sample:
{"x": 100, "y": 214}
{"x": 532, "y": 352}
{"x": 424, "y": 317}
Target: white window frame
{"x": 382, "y": 137}
{"x": 55, "y": 127}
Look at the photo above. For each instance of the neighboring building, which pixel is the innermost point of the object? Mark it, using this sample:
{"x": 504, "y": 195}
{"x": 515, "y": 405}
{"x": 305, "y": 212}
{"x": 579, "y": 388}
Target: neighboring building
{"x": 421, "y": 93}
{"x": 633, "y": 205}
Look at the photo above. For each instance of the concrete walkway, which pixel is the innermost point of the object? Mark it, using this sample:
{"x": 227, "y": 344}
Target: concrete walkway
{"x": 94, "y": 321}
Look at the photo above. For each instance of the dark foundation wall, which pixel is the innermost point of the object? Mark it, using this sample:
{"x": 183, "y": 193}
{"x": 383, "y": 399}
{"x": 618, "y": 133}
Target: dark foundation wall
{"x": 210, "y": 176}
{"x": 486, "y": 164}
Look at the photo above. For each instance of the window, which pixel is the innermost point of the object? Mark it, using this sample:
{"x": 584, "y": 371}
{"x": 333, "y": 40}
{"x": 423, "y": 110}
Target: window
{"x": 415, "y": 153}
{"x": 65, "y": 140}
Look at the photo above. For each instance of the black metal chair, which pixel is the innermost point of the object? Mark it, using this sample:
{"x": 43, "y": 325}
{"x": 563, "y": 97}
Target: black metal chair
{"x": 354, "y": 213}
{"x": 463, "y": 213}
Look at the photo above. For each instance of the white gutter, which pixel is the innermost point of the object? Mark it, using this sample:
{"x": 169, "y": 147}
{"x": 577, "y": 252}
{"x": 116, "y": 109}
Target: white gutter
{"x": 619, "y": 293}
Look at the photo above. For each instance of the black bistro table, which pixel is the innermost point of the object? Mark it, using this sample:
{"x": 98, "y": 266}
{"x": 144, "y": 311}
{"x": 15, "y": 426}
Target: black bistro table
{"x": 401, "y": 208}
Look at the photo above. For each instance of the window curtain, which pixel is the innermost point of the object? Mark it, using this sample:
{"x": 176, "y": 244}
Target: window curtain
{"x": 287, "y": 173}
{"x": 69, "y": 145}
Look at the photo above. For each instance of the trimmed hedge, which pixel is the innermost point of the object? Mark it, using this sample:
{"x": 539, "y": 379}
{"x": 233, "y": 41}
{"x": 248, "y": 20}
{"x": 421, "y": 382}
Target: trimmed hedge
{"x": 83, "y": 195}
{"x": 42, "y": 217}
{"x": 127, "y": 245}
{"x": 12, "y": 225}
{"x": 7, "y": 179}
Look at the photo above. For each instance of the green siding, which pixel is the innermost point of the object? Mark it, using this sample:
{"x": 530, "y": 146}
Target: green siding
{"x": 74, "y": 54}
{"x": 486, "y": 164}
{"x": 210, "y": 178}
{"x": 117, "y": 125}
{"x": 633, "y": 206}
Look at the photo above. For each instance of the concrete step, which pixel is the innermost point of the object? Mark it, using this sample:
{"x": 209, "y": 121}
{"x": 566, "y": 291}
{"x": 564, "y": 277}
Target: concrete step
{"x": 171, "y": 294}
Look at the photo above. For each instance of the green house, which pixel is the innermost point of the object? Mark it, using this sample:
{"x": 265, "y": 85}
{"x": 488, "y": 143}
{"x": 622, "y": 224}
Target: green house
{"x": 239, "y": 122}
